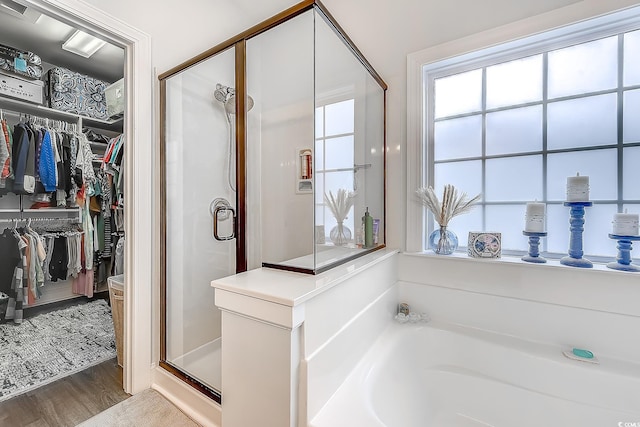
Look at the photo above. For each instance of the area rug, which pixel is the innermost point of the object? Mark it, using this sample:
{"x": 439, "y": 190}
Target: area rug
{"x": 52, "y": 345}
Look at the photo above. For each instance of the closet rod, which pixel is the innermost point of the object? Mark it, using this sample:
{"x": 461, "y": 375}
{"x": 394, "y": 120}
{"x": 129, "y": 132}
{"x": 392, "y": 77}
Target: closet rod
{"x": 57, "y": 124}
{"x": 20, "y": 114}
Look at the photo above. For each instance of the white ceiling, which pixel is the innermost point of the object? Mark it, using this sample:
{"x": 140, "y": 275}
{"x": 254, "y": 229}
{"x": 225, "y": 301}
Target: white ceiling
{"x": 45, "y": 36}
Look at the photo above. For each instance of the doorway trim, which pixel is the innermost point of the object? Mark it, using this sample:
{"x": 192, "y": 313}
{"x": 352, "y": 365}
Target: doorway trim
{"x": 140, "y": 194}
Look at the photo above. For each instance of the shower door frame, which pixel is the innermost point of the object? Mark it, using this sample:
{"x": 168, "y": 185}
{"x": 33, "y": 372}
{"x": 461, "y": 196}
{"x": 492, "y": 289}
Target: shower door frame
{"x": 238, "y": 42}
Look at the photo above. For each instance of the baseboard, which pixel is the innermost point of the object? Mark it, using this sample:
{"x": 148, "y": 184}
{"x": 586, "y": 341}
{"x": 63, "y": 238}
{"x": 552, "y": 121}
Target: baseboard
{"x": 194, "y": 404}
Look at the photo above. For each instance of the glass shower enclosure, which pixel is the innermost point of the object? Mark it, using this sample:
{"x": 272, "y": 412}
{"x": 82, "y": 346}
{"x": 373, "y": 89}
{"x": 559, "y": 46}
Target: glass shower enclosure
{"x": 258, "y": 134}
{"x": 199, "y": 184}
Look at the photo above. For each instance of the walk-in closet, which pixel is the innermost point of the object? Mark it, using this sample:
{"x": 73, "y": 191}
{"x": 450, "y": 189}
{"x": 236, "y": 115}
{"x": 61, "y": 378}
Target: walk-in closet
{"x": 62, "y": 229}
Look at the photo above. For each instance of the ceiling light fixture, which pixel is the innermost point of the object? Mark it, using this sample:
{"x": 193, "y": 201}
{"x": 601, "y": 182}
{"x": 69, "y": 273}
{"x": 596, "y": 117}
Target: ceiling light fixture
{"x": 83, "y": 44}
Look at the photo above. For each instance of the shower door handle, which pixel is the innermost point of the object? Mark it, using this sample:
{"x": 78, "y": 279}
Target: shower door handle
{"x": 225, "y": 214}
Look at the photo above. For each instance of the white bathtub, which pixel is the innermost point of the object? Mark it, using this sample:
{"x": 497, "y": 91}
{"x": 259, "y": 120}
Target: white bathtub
{"x": 444, "y": 375}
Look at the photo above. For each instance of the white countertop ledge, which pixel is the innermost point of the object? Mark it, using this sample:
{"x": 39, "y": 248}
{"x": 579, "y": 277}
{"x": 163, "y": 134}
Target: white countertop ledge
{"x": 292, "y": 289}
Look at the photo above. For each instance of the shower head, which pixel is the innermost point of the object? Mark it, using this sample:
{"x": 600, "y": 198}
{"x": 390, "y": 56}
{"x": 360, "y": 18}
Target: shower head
{"x": 227, "y": 95}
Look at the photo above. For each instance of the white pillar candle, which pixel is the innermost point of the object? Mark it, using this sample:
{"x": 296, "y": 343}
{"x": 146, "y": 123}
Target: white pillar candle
{"x": 535, "y": 217}
{"x": 625, "y": 224}
{"x": 578, "y": 188}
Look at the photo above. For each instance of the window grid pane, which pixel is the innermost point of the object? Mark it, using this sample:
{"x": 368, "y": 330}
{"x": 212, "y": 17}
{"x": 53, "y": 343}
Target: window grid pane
{"x": 586, "y": 140}
{"x": 334, "y": 157}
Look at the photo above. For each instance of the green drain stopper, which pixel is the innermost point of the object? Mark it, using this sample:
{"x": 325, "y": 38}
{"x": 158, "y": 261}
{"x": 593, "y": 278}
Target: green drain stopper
{"x": 585, "y": 354}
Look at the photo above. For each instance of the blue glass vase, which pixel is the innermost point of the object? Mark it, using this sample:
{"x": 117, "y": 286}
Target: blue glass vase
{"x": 443, "y": 241}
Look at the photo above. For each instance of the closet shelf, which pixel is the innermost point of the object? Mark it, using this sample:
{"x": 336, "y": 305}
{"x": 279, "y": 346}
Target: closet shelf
{"x": 41, "y": 214}
{"x": 101, "y": 145}
{"x": 42, "y": 111}
{"x": 53, "y": 210}
{"x": 47, "y": 211}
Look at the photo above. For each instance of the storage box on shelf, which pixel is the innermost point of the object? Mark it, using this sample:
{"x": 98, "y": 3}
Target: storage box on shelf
{"x": 114, "y": 94}
{"x": 76, "y": 93}
{"x": 25, "y": 64}
{"x": 23, "y": 107}
{"x": 25, "y": 90}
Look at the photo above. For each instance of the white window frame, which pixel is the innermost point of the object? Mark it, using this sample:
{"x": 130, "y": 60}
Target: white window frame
{"x": 579, "y": 22}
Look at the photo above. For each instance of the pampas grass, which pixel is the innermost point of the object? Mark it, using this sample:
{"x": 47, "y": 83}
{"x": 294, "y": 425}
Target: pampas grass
{"x": 453, "y": 203}
{"x": 340, "y": 204}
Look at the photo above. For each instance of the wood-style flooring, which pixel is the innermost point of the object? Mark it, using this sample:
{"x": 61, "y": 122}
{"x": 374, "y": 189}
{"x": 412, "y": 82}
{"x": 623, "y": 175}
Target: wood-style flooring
{"x": 68, "y": 401}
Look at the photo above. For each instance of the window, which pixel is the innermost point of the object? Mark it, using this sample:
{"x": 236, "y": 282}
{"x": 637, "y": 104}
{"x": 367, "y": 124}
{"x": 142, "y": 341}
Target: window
{"x": 334, "y": 158}
{"x": 513, "y": 124}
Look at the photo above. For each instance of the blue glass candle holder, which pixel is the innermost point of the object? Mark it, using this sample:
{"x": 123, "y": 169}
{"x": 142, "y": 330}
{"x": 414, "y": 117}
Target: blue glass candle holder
{"x": 576, "y": 222}
{"x": 623, "y": 262}
{"x": 534, "y": 244}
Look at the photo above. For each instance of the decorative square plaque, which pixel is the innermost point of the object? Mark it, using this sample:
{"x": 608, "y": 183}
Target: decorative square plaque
{"x": 484, "y": 244}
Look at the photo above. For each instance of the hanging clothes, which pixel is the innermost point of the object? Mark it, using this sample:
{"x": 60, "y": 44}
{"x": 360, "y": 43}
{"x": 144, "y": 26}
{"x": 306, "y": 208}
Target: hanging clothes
{"x": 20, "y": 156}
{"x": 10, "y": 260}
{"x": 47, "y": 165}
{"x": 7, "y": 168}
{"x": 59, "y": 261}
{"x": 53, "y": 162}
{"x": 5, "y": 159}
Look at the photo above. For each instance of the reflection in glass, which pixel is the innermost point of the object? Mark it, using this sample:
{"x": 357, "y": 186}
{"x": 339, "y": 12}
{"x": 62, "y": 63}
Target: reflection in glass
{"x": 458, "y": 94}
{"x": 458, "y": 138}
{"x": 339, "y": 117}
{"x": 599, "y": 165}
{"x": 319, "y": 122}
{"x": 514, "y": 82}
{"x": 339, "y": 153}
{"x": 518, "y": 130}
{"x": 583, "y": 68}
{"x": 582, "y": 122}
{"x": 310, "y": 92}
{"x": 280, "y": 77}
{"x": 319, "y": 153}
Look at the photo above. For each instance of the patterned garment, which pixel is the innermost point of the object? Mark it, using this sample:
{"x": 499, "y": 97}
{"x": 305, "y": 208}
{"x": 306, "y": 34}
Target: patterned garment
{"x": 77, "y": 93}
{"x": 21, "y": 62}
{"x": 105, "y": 192}
{"x": 84, "y": 163}
{"x": 5, "y": 158}
{"x": 107, "y": 238}
{"x": 7, "y": 168}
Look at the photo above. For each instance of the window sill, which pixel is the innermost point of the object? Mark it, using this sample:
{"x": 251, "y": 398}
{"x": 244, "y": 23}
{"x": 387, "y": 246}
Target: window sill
{"x": 517, "y": 261}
